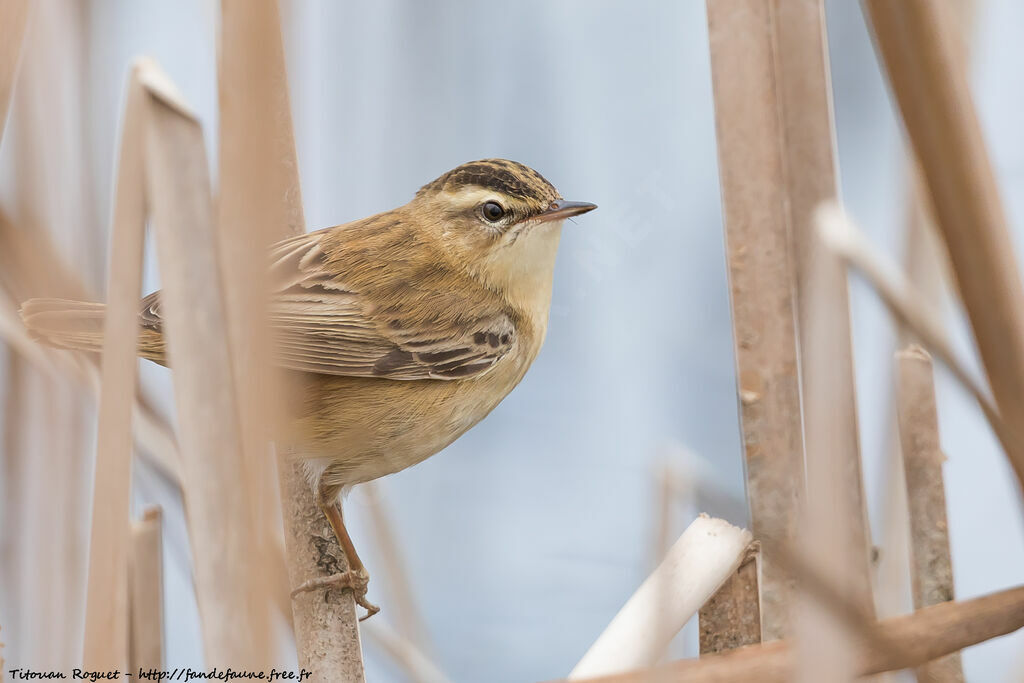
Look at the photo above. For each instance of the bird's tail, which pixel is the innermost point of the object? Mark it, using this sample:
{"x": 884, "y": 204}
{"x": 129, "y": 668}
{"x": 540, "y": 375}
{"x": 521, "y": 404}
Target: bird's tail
{"x": 78, "y": 326}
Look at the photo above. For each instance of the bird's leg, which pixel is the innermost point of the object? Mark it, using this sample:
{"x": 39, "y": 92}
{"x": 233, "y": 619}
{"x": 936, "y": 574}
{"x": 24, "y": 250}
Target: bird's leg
{"x": 356, "y": 577}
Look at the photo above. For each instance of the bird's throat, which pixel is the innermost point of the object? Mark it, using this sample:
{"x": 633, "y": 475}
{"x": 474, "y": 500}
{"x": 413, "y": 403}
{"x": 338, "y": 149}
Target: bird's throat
{"x": 523, "y": 273}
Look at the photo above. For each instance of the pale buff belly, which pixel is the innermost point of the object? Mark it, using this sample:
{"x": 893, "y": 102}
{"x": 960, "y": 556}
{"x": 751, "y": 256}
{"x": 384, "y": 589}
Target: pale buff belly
{"x": 355, "y": 430}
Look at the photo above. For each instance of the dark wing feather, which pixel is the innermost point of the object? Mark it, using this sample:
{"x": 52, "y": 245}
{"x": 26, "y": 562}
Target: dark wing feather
{"x": 324, "y": 325}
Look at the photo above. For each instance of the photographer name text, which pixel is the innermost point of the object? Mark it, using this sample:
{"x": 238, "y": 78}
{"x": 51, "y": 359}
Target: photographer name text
{"x": 176, "y": 674}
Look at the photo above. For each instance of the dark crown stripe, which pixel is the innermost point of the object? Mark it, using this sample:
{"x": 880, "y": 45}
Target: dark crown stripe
{"x": 500, "y": 175}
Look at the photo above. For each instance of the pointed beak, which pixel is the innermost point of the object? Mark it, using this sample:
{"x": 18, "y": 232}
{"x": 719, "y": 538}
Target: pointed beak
{"x": 561, "y": 209}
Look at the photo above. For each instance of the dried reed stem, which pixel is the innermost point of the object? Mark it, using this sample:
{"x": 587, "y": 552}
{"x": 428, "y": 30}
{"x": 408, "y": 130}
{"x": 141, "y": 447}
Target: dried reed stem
{"x": 923, "y": 636}
{"x": 326, "y": 628}
{"x": 24, "y": 254}
{"x": 841, "y": 235}
{"x": 925, "y": 264}
{"x": 924, "y": 256}
{"x": 836, "y": 540}
{"x": 931, "y": 565}
{"x": 803, "y": 95}
{"x": 822, "y": 587}
{"x": 146, "y": 593}
{"x": 924, "y": 57}
{"x": 732, "y": 617}
{"x": 228, "y": 589}
{"x": 13, "y": 21}
{"x": 831, "y": 543}
{"x": 708, "y": 553}
{"x": 251, "y": 215}
{"x": 106, "y": 607}
{"x": 754, "y": 197}
{"x": 49, "y": 432}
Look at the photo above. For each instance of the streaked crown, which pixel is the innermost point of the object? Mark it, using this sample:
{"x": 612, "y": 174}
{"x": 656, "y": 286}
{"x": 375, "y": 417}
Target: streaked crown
{"x": 505, "y": 177}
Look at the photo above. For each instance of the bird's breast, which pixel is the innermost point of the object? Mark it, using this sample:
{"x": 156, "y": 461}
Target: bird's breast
{"x": 367, "y": 427}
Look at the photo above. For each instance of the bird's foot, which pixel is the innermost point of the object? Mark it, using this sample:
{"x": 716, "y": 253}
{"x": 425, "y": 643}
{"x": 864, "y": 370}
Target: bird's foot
{"x": 356, "y": 580}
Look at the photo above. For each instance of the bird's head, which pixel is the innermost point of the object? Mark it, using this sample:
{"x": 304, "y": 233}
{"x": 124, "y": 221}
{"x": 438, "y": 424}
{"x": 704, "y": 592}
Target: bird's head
{"x": 499, "y": 218}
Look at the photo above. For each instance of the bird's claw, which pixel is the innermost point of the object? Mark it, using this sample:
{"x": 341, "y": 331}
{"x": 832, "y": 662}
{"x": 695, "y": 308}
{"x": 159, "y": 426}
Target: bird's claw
{"x": 355, "y": 580}
{"x": 370, "y": 608}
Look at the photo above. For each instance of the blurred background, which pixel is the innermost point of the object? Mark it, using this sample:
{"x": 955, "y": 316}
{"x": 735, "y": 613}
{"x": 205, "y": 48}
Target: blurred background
{"x": 523, "y": 538}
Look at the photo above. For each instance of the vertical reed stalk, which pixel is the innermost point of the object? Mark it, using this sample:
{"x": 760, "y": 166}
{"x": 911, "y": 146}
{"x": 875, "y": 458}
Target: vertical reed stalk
{"x": 924, "y": 57}
{"x": 753, "y": 182}
{"x": 106, "y": 613}
{"x": 804, "y": 99}
{"x": 262, "y": 197}
{"x": 930, "y": 562}
{"x": 146, "y": 593}
{"x": 232, "y": 608}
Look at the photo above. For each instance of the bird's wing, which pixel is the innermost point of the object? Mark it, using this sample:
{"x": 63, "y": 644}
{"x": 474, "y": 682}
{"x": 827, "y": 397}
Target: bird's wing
{"x": 325, "y": 325}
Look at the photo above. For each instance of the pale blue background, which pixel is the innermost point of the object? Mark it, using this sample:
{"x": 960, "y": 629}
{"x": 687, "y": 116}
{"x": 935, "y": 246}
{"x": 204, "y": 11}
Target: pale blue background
{"x": 525, "y": 536}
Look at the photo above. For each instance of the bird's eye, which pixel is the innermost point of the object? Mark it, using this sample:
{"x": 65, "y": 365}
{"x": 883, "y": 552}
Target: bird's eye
{"x": 492, "y": 211}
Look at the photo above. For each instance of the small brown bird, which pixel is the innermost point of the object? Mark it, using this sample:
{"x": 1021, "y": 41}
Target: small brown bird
{"x": 406, "y": 328}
